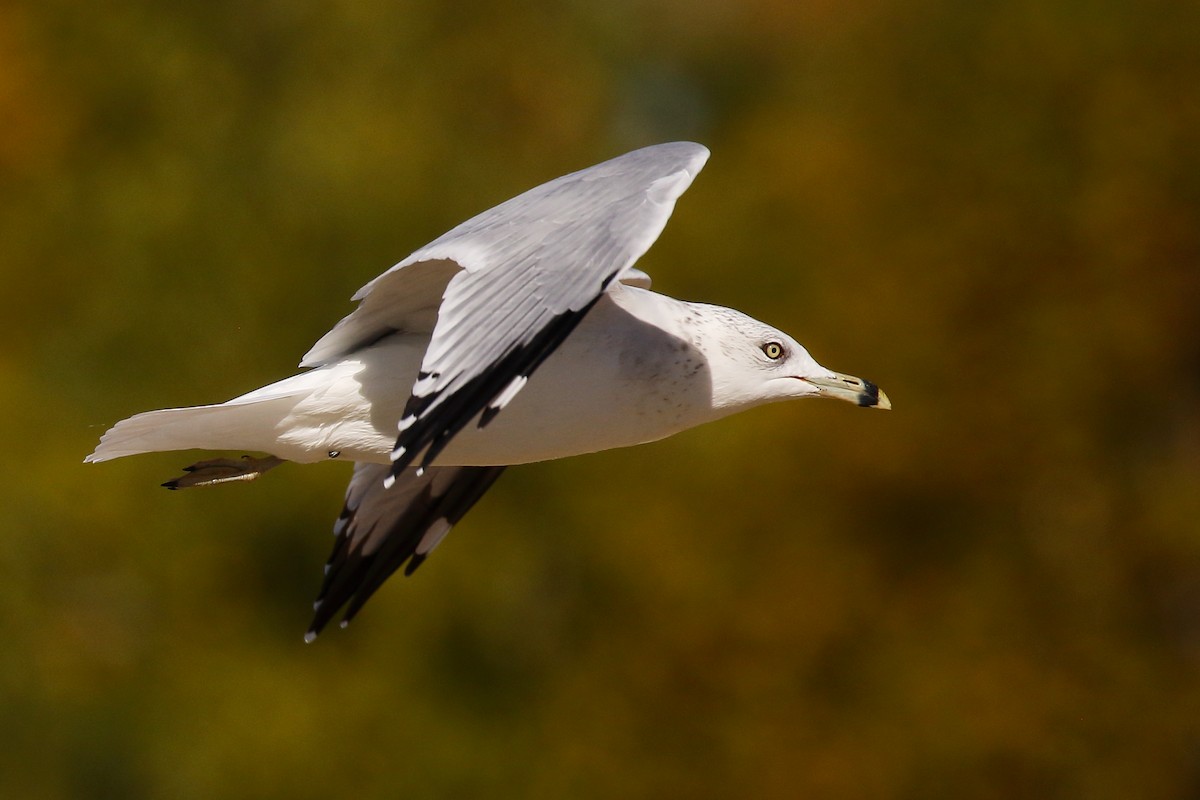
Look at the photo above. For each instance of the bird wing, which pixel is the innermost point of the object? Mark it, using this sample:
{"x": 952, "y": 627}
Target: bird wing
{"x": 552, "y": 247}
{"x": 498, "y": 294}
{"x": 379, "y": 530}
{"x": 531, "y": 268}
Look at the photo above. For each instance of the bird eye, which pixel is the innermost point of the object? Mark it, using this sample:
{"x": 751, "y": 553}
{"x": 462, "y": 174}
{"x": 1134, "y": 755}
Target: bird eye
{"x": 773, "y": 350}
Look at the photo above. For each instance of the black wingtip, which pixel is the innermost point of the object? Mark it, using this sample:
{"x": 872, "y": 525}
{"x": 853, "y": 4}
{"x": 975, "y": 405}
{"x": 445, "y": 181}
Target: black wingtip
{"x": 414, "y": 561}
{"x": 352, "y": 576}
{"x": 488, "y": 415}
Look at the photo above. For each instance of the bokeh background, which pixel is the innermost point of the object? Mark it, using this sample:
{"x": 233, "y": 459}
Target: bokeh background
{"x": 990, "y": 208}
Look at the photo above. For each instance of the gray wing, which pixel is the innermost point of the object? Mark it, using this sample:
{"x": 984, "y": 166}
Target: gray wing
{"x": 531, "y": 268}
{"x": 380, "y": 529}
{"x": 570, "y": 234}
{"x": 398, "y": 301}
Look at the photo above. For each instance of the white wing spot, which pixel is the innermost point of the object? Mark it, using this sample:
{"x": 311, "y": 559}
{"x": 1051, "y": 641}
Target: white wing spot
{"x": 433, "y": 537}
{"x": 422, "y": 386}
{"x": 510, "y": 391}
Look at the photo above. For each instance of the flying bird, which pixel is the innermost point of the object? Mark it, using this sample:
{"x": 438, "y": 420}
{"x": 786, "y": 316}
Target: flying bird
{"x": 524, "y": 334}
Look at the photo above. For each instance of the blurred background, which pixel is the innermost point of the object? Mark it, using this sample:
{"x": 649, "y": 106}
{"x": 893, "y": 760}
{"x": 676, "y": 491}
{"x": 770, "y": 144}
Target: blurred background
{"x": 991, "y": 209}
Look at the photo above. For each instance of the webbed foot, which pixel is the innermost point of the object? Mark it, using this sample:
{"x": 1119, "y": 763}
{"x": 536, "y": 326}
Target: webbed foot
{"x": 223, "y": 470}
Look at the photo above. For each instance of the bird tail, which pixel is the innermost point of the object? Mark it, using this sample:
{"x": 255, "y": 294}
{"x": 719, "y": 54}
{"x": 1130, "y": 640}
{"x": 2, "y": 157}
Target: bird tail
{"x": 236, "y": 425}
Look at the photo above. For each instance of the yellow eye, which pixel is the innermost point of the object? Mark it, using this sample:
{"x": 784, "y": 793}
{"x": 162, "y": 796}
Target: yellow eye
{"x": 773, "y": 350}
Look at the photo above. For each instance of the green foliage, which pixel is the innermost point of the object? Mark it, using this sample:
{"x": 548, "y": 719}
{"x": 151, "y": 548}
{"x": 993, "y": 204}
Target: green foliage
{"x": 991, "y": 209}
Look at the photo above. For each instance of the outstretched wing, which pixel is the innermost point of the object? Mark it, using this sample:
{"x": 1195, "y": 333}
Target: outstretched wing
{"x": 381, "y": 529}
{"x": 406, "y": 298}
{"x": 532, "y": 267}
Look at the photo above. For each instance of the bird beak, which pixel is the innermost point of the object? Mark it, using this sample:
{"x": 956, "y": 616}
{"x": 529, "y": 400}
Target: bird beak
{"x": 851, "y": 389}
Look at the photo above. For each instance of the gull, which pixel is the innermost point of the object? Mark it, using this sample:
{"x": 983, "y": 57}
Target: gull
{"x": 524, "y": 334}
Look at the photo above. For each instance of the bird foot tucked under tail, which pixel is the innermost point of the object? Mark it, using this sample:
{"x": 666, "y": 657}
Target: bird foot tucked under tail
{"x": 223, "y": 470}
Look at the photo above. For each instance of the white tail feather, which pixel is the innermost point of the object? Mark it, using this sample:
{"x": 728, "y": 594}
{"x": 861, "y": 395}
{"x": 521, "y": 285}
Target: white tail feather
{"x": 236, "y": 426}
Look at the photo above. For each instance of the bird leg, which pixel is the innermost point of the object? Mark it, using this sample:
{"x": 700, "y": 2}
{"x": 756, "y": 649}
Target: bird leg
{"x": 223, "y": 470}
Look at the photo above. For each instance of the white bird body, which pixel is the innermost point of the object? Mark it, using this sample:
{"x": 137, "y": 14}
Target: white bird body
{"x": 636, "y": 370}
{"x": 524, "y": 334}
